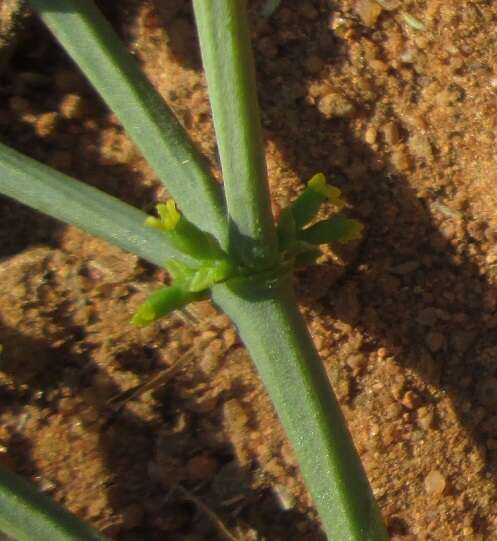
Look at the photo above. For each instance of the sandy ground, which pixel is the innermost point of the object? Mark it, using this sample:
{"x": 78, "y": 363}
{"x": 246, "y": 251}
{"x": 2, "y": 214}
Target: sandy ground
{"x": 396, "y": 104}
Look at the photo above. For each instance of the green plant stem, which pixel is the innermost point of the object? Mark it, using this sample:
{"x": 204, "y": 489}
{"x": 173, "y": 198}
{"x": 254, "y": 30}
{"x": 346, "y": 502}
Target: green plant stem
{"x": 94, "y": 46}
{"x": 270, "y": 325}
{"x": 277, "y": 339}
{"x": 74, "y": 202}
{"x": 29, "y": 515}
{"x": 227, "y": 57}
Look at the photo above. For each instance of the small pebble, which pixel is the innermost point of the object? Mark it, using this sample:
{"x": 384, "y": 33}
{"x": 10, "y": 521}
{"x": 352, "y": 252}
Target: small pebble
{"x": 420, "y": 146}
{"x": 45, "y": 485}
{"x": 378, "y": 65}
{"x": 89, "y": 415}
{"x": 285, "y": 498}
{"x": 220, "y": 322}
{"x": 435, "y": 341}
{"x": 97, "y": 506}
{"x": 234, "y": 414}
{"x": 201, "y": 341}
{"x": 229, "y": 338}
{"x": 288, "y": 455}
{"x": 46, "y": 124}
{"x": 370, "y": 135}
{"x": 230, "y": 482}
{"x": 209, "y": 361}
{"x": 424, "y": 418}
{"x": 356, "y": 361}
{"x": 435, "y": 483}
{"x": 335, "y": 105}
{"x": 400, "y": 159}
{"x": 73, "y": 107}
{"x": 68, "y": 405}
{"x": 393, "y": 411}
{"x": 368, "y": 11}
{"x": 411, "y": 400}
{"x": 201, "y": 467}
{"x": 391, "y": 133}
{"x": 202, "y": 405}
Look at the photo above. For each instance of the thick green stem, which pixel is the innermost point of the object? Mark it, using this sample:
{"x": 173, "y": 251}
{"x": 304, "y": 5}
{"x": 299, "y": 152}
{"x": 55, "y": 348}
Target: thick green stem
{"x": 227, "y": 57}
{"x": 94, "y": 46}
{"x": 76, "y": 203}
{"x": 271, "y": 327}
{"x": 29, "y": 515}
{"x": 276, "y": 336}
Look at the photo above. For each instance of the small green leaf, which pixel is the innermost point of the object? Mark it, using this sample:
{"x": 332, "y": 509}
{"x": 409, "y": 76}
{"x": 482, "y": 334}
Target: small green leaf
{"x": 202, "y": 279}
{"x": 179, "y": 271}
{"x": 183, "y": 234}
{"x": 162, "y": 302}
{"x": 301, "y": 212}
{"x": 307, "y": 205}
{"x": 335, "y": 229}
{"x": 211, "y": 273}
{"x": 332, "y": 193}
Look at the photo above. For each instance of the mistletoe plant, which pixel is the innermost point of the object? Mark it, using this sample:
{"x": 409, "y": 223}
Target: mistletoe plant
{"x": 222, "y": 244}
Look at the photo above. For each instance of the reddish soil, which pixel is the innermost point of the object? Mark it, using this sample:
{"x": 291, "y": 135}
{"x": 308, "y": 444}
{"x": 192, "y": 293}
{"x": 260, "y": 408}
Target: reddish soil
{"x": 404, "y": 121}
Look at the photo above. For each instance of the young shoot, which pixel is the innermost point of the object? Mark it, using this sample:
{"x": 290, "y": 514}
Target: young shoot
{"x": 297, "y": 241}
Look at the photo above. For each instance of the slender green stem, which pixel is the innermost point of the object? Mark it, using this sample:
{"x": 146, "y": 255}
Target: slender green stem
{"x": 29, "y": 515}
{"x": 276, "y": 336}
{"x": 227, "y": 57}
{"x": 74, "y": 202}
{"x": 92, "y": 43}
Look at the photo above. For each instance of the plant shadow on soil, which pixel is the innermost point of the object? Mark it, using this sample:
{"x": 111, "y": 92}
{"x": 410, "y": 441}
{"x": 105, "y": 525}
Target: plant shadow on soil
{"x": 397, "y": 291}
{"x": 406, "y": 288}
